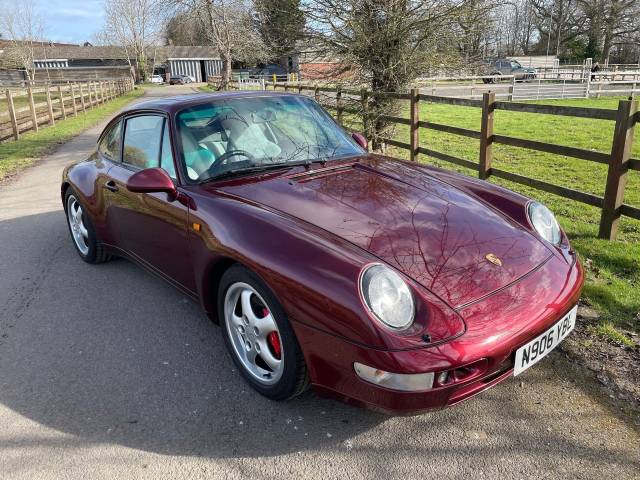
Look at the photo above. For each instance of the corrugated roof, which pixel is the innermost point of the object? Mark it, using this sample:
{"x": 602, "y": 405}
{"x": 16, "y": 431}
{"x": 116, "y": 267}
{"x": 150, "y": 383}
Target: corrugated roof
{"x": 116, "y": 53}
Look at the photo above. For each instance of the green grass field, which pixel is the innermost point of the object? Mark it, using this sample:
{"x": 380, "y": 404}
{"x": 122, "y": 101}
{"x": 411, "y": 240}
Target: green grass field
{"x": 15, "y": 156}
{"x": 613, "y": 273}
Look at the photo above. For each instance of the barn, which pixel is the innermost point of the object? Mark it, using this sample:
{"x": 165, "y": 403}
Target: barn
{"x": 74, "y": 62}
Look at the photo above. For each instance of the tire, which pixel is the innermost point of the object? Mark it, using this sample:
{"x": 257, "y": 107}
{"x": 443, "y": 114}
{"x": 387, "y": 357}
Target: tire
{"x": 83, "y": 235}
{"x": 255, "y": 352}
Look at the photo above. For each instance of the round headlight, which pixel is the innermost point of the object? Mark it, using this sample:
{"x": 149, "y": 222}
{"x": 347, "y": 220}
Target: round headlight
{"x": 387, "y": 296}
{"x": 544, "y": 222}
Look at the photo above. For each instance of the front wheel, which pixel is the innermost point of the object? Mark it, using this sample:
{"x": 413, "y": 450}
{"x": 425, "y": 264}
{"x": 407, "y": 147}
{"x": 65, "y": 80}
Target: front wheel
{"x": 259, "y": 337}
{"x": 82, "y": 231}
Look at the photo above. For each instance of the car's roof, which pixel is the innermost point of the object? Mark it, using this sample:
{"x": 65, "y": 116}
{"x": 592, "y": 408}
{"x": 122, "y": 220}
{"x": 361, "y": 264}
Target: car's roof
{"x": 174, "y": 104}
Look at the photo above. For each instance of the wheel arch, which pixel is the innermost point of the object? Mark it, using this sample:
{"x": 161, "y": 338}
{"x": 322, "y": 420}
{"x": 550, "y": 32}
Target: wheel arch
{"x": 211, "y": 282}
{"x": 63, "y": 192}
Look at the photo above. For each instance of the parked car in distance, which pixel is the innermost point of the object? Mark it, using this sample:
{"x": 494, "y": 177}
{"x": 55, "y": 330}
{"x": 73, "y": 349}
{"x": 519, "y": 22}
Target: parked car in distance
{"x": 505, "y": 66}
{"x": 180, "y": 79}
{"x": 157, "y": 79}
{"x": 380, "y": 282}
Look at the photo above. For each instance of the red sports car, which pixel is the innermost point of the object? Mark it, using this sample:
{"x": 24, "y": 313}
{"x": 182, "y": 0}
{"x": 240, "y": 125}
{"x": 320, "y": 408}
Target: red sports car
{"x": 379, "y": 282}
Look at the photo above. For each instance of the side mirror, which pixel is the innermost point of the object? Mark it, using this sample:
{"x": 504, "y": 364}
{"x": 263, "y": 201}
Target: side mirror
{"x": 361, "y": 140}
{"x": 152, "y": 180}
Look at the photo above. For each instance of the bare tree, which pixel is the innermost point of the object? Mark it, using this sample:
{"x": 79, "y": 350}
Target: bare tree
{"x": 388, "y": 43}
{"x": 136, "y": 26}
{"x": 559, "y": 23}
{"x": 610, "y": 22}
{"x": 229, "y": 27}
{"x": 24, "y": 26}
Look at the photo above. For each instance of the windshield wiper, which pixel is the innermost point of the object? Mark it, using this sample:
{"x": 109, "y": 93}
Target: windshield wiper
{"x": 263, "y": 167}
{"x": 256, "y": 168}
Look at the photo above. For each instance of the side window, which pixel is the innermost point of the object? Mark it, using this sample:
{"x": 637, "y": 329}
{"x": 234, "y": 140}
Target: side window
{"x": 110, "y": 144}
{"x": 166, "y": 157}
{"x": 142, "y": 141}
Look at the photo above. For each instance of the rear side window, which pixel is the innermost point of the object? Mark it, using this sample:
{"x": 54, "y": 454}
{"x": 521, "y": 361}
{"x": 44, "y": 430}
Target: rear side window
{"x": 110, "y": 144}
{"x": 142, "y": 137}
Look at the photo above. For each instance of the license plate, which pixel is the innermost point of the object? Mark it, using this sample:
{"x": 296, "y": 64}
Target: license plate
{"x": 539, "y": 347}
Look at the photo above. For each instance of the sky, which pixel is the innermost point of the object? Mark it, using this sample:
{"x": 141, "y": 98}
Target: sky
{"x": 71, "y": 21}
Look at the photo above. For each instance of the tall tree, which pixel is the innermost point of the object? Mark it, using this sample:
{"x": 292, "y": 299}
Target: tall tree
{"x": 610, "y": 22}
{"x": 24, "y": 26}
{"x": 137, "y": 26}
{"x": 228, "y": 26}
{"x": 281, "y": 25}
{"x": 387, "y": 42}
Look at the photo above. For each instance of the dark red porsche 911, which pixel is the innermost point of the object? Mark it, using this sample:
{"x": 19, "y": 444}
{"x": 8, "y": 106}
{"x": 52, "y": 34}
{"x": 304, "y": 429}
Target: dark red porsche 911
{"x": 380, "y": 282}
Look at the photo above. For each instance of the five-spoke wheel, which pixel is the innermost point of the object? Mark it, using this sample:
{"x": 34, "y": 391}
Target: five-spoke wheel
{"x": 259, "y": 336}
{"x": 82, "y": 231}
{"x": 254, "y": 333}
{"x": 79, "y": 231}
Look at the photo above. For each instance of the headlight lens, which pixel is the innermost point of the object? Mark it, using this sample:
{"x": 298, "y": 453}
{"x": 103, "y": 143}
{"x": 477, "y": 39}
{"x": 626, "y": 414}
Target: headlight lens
{"x": 387, "y": 296}
{"x": 544, "y": 222}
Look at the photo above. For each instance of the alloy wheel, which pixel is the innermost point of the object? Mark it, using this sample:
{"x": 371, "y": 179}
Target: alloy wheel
{"x": 79, "y": 230}
{"x": 254, "y": 333}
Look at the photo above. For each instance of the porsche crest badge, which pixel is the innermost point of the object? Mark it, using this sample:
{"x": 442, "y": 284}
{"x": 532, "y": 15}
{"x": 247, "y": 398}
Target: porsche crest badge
{"x": 493, "y": 259}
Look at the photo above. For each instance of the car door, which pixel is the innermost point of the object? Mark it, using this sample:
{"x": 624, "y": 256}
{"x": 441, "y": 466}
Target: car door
{"x": 149, "y": 227}
{"x": 106, "y": 155}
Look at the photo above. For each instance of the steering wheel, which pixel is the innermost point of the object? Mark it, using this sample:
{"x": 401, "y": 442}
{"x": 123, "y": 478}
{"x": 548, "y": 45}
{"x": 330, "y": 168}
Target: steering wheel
{"x": 222, "y": 159}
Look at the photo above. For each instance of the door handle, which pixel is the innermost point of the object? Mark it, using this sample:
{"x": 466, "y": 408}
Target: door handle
{"x": 111, "y": 185}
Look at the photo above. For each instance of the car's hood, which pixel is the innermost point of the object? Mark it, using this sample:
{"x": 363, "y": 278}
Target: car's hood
{"x": 429, "y": 230}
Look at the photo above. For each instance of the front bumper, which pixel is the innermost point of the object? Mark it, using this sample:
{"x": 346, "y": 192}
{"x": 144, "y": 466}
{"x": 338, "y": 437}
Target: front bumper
{"x": 496, "y": 327}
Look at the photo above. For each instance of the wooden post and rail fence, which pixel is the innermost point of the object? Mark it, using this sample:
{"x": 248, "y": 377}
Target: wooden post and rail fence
{"x": 618, "y": 161}
{"x": 46, "y": 104}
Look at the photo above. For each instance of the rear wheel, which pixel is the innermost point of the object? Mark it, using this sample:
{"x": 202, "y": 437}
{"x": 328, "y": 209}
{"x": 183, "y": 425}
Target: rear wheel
{"x": 82, "y": 231}
{"x": 259, "y": 337}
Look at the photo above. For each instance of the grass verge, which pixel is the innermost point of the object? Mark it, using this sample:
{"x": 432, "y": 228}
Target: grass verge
{"x": 15, "y": 156}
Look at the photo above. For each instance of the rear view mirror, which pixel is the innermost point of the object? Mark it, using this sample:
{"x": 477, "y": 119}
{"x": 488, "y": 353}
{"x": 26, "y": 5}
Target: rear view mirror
{"x": 152, "y": 180}
{"x": 360, "y": 140}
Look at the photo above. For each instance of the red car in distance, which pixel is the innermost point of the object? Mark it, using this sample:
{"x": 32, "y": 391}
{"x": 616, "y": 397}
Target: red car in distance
{"x": 379, "y": 282}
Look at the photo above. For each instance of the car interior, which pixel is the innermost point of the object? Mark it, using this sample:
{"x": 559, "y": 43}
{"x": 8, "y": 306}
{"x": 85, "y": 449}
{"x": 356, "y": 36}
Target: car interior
{"x": 217, "y": 138}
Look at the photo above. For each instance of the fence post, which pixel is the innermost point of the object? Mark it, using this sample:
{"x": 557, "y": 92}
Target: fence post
{"x": 82, "y": 104}
{"x": 486, "y": 135}
{"x": 414, "y": 131}
{"x": 339, "y": 104}
{"x": 73, "y": 100}
{"x": 89, "y": 100}
{"x": 61, "y": 99}
{"x": 101, "y": 92}
{"x": 12, "y": 116}
{"x": 32, "y": 107}
{"x": 364, "y": 101}
{"x": 52, "y": 120}
{"x": 512, "y": 87}
{"x": 316, "y": 93}
{"x": 618, "y": 166}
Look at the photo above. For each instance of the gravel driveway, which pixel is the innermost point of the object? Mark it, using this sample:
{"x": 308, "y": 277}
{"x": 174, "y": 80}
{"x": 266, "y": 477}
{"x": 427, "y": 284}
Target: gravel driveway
{"x": 108, "y": 372}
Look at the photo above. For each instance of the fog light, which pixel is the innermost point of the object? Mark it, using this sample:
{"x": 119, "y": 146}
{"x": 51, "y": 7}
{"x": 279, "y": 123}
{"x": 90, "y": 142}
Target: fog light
{"x": 395, "y": 381}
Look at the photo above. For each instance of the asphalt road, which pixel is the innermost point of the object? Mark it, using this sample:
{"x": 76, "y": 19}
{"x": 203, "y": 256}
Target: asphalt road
{"x": 108, "y": 372}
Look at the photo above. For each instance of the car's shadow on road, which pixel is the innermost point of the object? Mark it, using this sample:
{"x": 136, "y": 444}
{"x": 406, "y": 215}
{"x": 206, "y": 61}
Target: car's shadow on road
{"x": 110, "y": 354}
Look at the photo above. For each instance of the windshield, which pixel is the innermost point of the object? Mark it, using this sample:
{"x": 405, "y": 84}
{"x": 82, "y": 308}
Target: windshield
{"x": 235, "y": 134}
{"x": 515, "y": 64}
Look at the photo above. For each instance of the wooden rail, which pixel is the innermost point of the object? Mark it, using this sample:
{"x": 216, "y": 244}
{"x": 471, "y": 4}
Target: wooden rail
{"x": 46, "y": 105}
{"x": 618, "y": 160}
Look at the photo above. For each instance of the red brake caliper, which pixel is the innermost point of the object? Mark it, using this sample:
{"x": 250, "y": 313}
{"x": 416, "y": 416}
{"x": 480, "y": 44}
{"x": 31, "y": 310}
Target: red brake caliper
{"x": 274, "y": 339}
